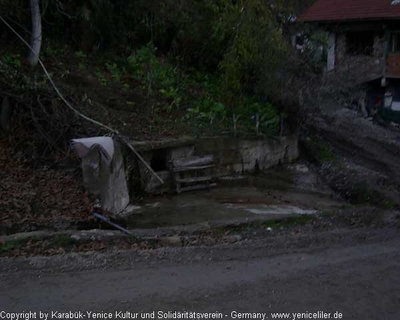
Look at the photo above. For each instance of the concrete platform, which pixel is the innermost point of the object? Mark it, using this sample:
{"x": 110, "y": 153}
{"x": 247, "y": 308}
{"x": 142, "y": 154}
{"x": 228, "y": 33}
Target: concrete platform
{"x": 281, "y": 192}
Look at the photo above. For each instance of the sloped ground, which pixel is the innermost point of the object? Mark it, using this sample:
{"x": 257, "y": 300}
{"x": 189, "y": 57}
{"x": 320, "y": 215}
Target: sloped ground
{"x": 34, "y": 198}
{"x": 129, "y": 111}
{"x": 40, "y": 180}
{"x": 122, "y": 101}
{"x": 358, "y": 158}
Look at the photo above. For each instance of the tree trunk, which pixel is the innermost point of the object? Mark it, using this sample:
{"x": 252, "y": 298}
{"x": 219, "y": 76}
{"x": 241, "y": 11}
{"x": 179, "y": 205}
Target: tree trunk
{"x": 36, "y": 40}
{"x": 5, "y": 114}
{"x": 235, "y": 121}
{"x": 257, "y": 118}
{"x": 281, "y": 125}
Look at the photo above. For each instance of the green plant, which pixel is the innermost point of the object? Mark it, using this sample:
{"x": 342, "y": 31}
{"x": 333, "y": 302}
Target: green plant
{"x": 102, "y": 78}
{"x": 147, "y": 68}
{"x": 13, "y": 60}
{"x": 289, "y": 222}
{"x": 173, "y": 94}
{"x": 208, "y": 109}
{"x": 254, "y": 55}
{"x": 80, "y": 55}
{"x": 53, "y": 50}
{"x": 63, "y": 240}
{"x": 10, "y": 245}
{"x": 116, "y": 72}
{"x": 388, "y": 204}
{"x": 321, "y": 151}
{"x": 81, "y": 66}
{"x": 143, "y": 63}
{"x": 7, "y": 247}
{"x": 264, "y": 117}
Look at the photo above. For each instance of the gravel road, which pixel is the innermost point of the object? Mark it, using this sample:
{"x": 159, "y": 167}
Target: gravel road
{"x": 350, "y": 272}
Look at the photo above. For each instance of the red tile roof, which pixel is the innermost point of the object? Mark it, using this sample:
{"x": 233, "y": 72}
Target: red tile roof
{"x": 337, "y": 10}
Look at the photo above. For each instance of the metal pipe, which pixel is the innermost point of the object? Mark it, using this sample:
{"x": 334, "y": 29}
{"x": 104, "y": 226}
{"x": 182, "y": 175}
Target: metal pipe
{"x": 105, "y": 219}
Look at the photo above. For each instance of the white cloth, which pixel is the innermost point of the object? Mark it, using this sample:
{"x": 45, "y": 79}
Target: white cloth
{"x": 84, "y": 145}
{"x": 103, "y": 172}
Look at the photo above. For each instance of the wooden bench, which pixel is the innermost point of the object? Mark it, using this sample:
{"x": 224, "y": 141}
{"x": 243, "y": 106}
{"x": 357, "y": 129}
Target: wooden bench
{"x": 192, "y": 173}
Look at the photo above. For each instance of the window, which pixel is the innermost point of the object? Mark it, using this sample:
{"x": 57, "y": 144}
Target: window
{"x": 394, "y": 42}
{"x": 360, "y": 43}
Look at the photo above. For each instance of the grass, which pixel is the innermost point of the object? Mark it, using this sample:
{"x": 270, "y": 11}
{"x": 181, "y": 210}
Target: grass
{"x": 373, "y": 197}
{"x": 10, "y": 245}
{"x": 7, "y": 246}
{"x": 289, "y": 221}
{"x": 388, "y": 204}
{"x": 321, "y": 151}
{"x": 327, "y": 215}
{"x": 63, "y": 241}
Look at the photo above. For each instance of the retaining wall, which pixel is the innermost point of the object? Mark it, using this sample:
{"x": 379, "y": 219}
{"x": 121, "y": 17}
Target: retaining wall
{"x": 231, "y": 156}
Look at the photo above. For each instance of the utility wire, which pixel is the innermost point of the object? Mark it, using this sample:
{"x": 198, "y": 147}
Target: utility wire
{"x": 54, "y": 85}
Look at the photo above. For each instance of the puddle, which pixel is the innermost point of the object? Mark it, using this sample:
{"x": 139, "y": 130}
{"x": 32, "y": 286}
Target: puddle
{"x": 270, "y": 195}
{"x": 185, "y": 209}
{"x": 278, "y": 210}
{"x": 227, "y": 205}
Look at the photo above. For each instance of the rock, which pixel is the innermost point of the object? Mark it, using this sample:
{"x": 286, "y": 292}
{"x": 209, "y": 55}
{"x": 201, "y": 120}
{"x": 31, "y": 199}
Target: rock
{"x": 173, "y": 241}
{"x": 232, "y": 238}
{"x": 208, "y": 241}
{"x": 75, "y": 237}
{"x": 128, "y": 211}
{"x": 301, "y": 168}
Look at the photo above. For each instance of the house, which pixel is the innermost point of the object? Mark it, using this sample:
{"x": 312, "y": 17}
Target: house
{"x": 364, "y": 42}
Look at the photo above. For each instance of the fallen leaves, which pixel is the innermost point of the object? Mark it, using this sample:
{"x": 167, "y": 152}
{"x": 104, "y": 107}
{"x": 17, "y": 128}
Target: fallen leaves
{"x": 31, "y": 195}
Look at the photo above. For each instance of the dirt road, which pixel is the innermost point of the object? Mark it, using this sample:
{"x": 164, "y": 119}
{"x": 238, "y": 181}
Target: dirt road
{"x": 353, "y": 272}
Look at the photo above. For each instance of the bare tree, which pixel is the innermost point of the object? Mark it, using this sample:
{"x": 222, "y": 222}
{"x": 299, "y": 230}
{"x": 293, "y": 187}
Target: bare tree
{"x": 36, "y": 40}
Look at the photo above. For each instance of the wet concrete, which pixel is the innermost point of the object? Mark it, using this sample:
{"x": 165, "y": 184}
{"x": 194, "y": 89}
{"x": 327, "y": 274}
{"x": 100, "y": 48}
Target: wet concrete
{"x": 286, "y": 191}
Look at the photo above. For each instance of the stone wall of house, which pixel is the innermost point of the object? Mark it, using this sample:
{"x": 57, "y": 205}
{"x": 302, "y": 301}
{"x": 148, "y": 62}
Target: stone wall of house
{"x": 393, "y": 65}
{"x": 360, "y": 68}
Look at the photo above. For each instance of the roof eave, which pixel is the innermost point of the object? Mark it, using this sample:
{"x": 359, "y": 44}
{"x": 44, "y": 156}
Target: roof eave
{"x": 326, "y": 21}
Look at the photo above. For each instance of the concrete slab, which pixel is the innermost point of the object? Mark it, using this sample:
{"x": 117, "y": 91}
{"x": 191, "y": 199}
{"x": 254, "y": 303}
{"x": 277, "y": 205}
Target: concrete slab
{"x": 248, "y": 199}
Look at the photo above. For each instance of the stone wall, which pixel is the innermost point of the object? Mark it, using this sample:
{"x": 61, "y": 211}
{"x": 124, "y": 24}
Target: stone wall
{"x": 361, "y": 68}
{"x": 393, "y": 65}
{"x": 231, "y": 156}
{"x": 246, "y": 155}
